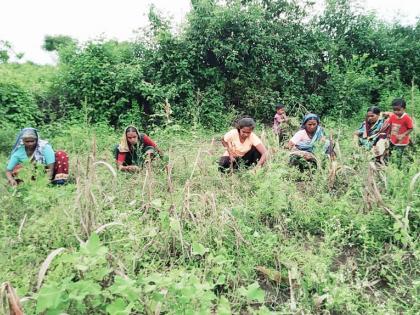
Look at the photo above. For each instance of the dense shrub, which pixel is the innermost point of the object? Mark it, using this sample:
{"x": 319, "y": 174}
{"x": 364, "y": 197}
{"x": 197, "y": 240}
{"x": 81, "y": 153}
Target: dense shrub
{"x": 18, "y": 105}
{"x": 238, "y": 57}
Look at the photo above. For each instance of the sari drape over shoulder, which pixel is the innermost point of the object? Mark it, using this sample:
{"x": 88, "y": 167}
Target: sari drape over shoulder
{"x": 369, "y": 133}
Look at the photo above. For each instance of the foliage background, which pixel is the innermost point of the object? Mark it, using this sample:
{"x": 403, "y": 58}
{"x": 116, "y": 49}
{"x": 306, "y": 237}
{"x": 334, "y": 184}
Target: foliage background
{"x": 240, "y": 57}
{"x": 191, "y": 240}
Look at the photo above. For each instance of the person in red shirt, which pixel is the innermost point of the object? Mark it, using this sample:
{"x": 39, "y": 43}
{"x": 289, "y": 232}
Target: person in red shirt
{"x": 399, "y": 126}
{"x": 134, "y": 149}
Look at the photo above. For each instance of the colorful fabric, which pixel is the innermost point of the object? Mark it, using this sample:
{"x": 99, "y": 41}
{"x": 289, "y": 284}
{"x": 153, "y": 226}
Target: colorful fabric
{"x": 238, "y": 148}
{"x": 400, "y": 125}
{"x": 278, "y": 123}
{"x": 43, "y": 154}
{"x": 303, "y": 142}
{"x": 136, "y": 157}
{"x": 380, "y": 147}
{"x": 124, "y": 146}
{"x": 29, "y": 133}
{"x": 249, "y": 159}
{"x": 61, "y": 167}
{"x": 126, "y": 154}
{"x": 309, "y": 117}
{"x": 369, "y": 134}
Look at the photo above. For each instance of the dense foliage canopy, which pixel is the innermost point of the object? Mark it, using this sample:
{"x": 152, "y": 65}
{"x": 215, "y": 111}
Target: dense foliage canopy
{"x": 179, "y": 237}
{"x": 230, "y": 58}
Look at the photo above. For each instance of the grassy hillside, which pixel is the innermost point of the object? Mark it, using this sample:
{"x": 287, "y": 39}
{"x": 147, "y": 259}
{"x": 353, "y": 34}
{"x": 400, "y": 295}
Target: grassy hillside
{"x": 186, "y": 239}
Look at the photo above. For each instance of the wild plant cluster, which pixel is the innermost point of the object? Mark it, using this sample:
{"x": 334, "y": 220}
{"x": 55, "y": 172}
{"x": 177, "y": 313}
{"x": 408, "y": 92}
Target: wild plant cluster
{"x": 180, "y": 237}
{"x": 253, "y": 54}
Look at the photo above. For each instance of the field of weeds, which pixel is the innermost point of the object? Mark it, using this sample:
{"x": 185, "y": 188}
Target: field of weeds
{"x": 181, "y": 238}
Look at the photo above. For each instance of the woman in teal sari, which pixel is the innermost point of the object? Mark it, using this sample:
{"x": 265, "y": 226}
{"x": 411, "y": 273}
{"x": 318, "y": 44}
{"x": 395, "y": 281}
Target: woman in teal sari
{"x": 369, "y": 134}
{"x": 304, "y": 142}
{"x": 30, "y": 147}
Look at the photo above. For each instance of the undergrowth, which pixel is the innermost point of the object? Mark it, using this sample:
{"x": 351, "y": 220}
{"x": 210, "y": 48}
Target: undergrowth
{"x": 182, "y": 238}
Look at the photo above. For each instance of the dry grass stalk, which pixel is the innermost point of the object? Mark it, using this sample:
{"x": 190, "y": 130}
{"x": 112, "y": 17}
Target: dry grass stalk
{"x": 21, "y": 227}
{"x": 373, "y": 191}
{"x": 146, "y": 177}
{"x": 9, "y": 301}
{"x": 105, "y": 226}
{"x": 292, "y": 293}
{"x": 212, "y": 145}
{"x": 150, "y": 182}
{"x": 120, "y": 268}
{"x": 3, "y": 298}
{"x": 169, "y": 181}
{"x": 86, "y": 203}
{"x": 109, "y": 167}
{"x": 164, "y": 292}
{"x": 319, "y": 300}
{"x": 94, "y": 147}
{"x": 337, "y": 149}
{"x": 46, "y": 264}
{"x": 195, "y": 163}
{"x": 270, "y": 274}
{"x": 413, "y": 185}
{"x": 168, "y": 111}
{"x": 232, "y": 224}
{"x": 186, "y": 204}
{"x": 263, "y": 137}
{"x": 332, "y": 174}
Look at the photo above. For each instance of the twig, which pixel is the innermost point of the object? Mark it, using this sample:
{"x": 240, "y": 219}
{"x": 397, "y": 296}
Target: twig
{"x": 21, "y": 227}
{"x": 195, "y": 163}
{"x": 7, "y": 292}
{"x": 412, "y": 97}
{"x": 110, "y": 168}
{"x": 105, "y": 226}
{"x": 292, "y": 294}
{"x": 46, "y": 264}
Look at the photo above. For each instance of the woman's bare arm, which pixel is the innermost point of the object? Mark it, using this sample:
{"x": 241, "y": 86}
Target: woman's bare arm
{"x": 50, "y": 171}
{"x": 10, "y": 178}
{"x": 228, "y": 148}
{"x": 262, "y": 149}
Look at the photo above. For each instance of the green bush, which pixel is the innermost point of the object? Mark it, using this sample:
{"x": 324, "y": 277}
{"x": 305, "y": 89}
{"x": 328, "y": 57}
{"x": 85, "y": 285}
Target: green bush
{"x": 349, "y": 89}
{"x": 18, "y": 105}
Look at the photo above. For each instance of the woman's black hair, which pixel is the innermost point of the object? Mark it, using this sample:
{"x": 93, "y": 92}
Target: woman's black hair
{"x": 245, "y": 122}
{"x": 374, "y": 109}
{"x": 131, "y": 129}
{"x": 399, "y": 102}
{"x": 279, "y": 106}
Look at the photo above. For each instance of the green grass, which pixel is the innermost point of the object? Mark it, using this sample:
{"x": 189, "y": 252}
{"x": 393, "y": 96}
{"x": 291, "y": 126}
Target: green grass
{"x": 196, "y": 241}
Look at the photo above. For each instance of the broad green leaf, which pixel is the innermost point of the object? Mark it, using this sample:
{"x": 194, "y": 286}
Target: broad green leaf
{"x": 253, "y": 292}
{"x": 49, "y": 297}
{"x": 224, "y": 307}
{"x": 125, "y": 288}
{"x": 93, "y": 246}
{"x": 221, "y": 280}
{"x": 79, "y": 290}
{"x": 118, "y": 307}
{"x": 198, "y": 249}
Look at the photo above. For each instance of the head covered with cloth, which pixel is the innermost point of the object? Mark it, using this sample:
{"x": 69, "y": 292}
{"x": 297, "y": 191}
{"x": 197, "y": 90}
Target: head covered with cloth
{"x": 133, "y": 149}
{"x": 29, "y": 146}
